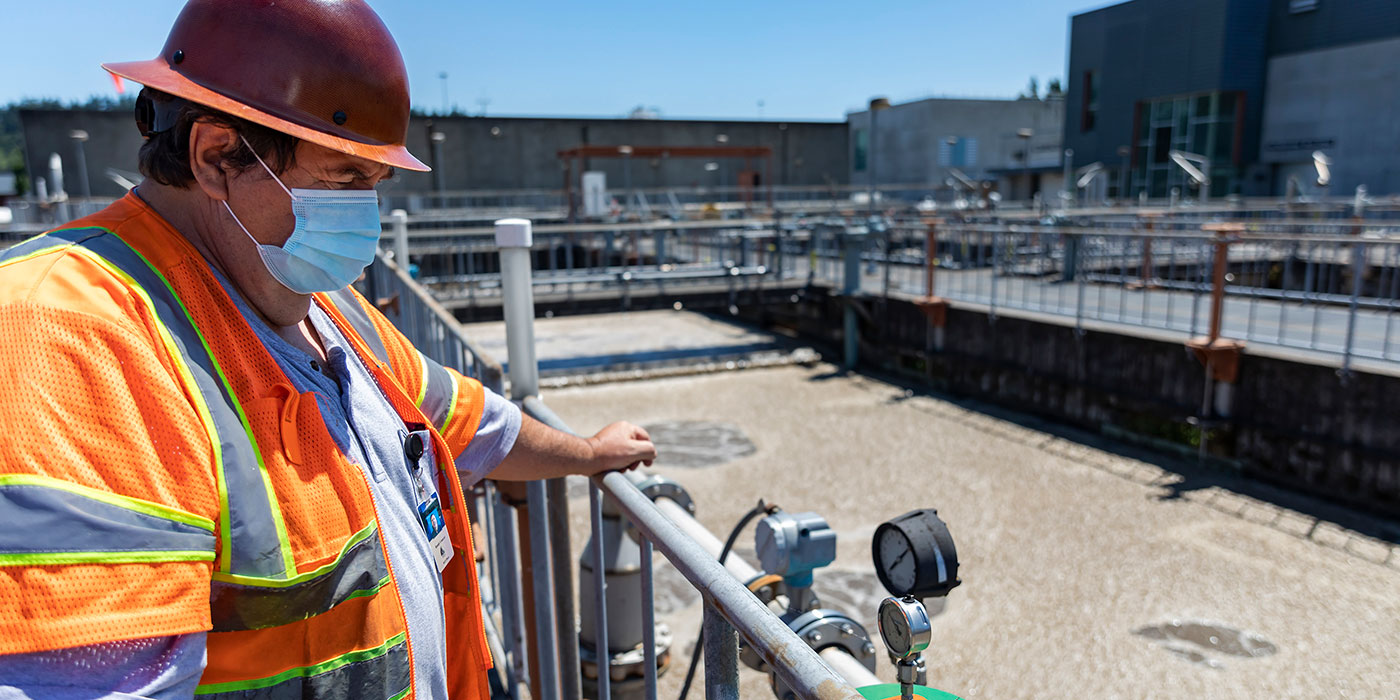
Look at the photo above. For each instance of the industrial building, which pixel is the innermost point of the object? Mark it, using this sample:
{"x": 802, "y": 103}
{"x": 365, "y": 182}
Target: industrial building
{"x": 500, "y": 153}
{"x": 1256, "y": 86}
{"x": 934, "y": 141}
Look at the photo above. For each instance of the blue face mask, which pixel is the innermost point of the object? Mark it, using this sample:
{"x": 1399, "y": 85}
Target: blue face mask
{"x": 335, "y": 238}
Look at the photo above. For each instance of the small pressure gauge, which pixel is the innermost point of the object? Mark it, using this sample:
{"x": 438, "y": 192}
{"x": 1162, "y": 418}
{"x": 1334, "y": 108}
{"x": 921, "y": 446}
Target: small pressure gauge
{"x": 914, "y": 555}
{"x": 905, "y": 627}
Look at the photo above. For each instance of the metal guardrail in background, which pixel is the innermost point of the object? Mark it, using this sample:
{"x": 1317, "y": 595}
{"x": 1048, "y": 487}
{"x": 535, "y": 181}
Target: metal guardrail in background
{"x": 1326, "y": 286}
{"x": 1333, "y": 291}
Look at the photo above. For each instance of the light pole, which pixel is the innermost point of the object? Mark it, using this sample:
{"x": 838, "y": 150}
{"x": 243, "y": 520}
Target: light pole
{"x": 1123, "y": 152}
{"x": 79, "y": 136}
{"x": 1067, "y": 192}
{"x": 877, "y": 104}
{"x": 439, "y": 174}
{"x": 722, "y": 139}
{"x": 626, "y": 153}
{"x": 1025, "y": 136}
{"x": 443, "y": 77}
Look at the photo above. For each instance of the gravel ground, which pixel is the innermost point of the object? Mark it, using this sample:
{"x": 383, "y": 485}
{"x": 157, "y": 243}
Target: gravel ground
{"x": 1085, "y": 573}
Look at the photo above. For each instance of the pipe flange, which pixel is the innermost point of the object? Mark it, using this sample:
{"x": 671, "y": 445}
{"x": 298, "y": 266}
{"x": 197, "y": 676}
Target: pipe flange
{"x": 630, "y": 663}
{"x": 825, "y": 628}
{"x": 656, "y": 486}
{"x": 820, "y": 629}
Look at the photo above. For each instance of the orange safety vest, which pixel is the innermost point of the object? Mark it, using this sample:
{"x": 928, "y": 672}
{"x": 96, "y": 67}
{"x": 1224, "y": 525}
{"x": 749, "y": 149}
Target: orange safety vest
{"x": 159, "y": 475}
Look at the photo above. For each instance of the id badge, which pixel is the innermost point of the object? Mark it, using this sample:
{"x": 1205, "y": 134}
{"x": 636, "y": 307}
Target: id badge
{"x": 430, "y": 513}
{"x": 424, "y": 471}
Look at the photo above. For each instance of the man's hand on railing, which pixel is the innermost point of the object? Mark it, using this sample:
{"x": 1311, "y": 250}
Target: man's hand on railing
{"x": 623, "y": 446}
{"x": 541, "y": 452}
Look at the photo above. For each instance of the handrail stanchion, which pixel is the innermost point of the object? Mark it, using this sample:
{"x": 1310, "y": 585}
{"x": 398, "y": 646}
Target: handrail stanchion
{"x": 721, "y": 656}
{"x": 570, "y": 678}
{"x": 513, "y": 237}
{"x": 600, "y": 595}
{"x": 508, "y": 586}
{"x": 648, "y": 620}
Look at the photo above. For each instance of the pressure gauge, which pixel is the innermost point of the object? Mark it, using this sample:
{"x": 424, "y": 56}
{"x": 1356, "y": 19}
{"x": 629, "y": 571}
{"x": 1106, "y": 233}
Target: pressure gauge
{"x": 905, "y": 627}
{"x": 914, "y": 555}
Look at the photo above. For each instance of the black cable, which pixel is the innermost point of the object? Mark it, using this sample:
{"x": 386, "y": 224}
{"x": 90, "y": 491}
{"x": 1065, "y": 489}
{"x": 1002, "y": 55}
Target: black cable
{"x": 760, "y": 509}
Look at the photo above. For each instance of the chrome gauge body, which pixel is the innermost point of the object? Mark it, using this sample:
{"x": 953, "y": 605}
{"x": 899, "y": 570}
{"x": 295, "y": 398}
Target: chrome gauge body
{"x": 905, "y": 627}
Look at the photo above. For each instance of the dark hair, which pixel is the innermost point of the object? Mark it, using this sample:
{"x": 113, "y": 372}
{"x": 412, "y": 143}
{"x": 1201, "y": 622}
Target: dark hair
{"x": 165, "y": 156}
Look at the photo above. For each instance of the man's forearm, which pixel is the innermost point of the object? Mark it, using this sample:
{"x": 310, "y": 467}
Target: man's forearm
{"x": 541, "y": 452}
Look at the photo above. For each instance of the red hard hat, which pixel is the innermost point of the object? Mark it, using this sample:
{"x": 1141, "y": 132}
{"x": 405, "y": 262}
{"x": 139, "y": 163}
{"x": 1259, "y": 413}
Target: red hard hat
{"x": 325, "y": 71}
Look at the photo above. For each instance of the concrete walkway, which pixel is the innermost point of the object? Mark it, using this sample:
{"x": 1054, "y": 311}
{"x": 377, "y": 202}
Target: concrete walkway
{"x": 630, "y": 345}
{"x": 1086, "y": 573}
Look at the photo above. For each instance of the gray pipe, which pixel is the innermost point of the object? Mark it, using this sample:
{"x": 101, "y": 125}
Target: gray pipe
{"x": 849, "y": 667}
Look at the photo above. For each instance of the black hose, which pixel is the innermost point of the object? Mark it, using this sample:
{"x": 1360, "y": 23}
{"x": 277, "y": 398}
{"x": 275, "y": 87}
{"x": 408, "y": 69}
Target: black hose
{"x": 760, "y": 509}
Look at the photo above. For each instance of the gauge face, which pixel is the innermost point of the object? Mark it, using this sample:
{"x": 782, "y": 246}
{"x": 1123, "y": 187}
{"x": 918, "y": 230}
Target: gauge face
{"x": 897, "y": 560}
{"x": 894, "y": 628}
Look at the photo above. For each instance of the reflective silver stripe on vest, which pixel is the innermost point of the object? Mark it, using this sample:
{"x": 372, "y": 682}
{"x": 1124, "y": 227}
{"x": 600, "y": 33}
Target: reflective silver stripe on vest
{"x": 39, "y": 519}
{"x": 440, "y": 388}
{"x": 438, "y": 395}
{"x": 349, "y": 307}
{"x": 360, "y": 572}
{"x": 384, "y": 674}
{"x": 254, "y": 546}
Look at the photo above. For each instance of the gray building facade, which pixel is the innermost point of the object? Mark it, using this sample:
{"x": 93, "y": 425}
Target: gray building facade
{"x": 922, "y": 142}
{"x": 500, "y": 153}
{"x": 1247, "y": 83}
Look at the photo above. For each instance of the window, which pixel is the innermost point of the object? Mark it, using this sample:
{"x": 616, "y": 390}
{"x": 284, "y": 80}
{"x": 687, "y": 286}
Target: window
{"x": 1091, "y": 101}
{"x": 957, "y": 152}
{"x": 1203, "y": 123}
{"x": 862, "y": 150}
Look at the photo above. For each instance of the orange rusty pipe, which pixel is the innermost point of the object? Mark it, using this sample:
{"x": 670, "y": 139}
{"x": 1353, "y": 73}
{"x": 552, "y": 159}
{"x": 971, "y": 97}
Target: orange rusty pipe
{"x": 1223, "y": 237}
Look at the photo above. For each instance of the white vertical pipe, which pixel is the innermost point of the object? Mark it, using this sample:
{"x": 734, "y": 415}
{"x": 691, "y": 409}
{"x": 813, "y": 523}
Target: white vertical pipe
{"x": 514, "y": 238}
{"x": 399, "y": 218}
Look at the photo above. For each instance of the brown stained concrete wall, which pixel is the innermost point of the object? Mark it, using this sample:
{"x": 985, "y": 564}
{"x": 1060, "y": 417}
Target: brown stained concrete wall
{"x": 1291, "y": 422}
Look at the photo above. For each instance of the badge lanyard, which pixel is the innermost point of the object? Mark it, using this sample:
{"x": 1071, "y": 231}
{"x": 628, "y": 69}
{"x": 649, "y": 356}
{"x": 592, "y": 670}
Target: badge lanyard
{"x": 429, "y": 506}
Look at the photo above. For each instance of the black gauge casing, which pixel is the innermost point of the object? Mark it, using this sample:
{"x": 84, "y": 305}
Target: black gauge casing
{"x": 929, "y": 541}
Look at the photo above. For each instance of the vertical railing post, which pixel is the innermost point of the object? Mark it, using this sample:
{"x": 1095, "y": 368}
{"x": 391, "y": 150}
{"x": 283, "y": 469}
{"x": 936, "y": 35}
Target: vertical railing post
{"x": 852, "y": 244}
{"x": 1147, "y": 266}
{"x": 721, "y": 656}
{"x": 399, "y": 218}
{"x": 514, "y": 238}
{"x": 566, "y": 622}
{"x": 648, "y": 621}
{"x": 1071, "y": 254}
{"x": 1223, "y": 235}
{"x": 996, "y": 260}
{"x": 600, "y": 595}
{"x": 1358, "y": 275}
{"x": 930, "y": 256}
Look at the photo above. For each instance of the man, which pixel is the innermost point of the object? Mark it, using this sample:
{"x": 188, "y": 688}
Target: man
{"x": 223, "y": 473}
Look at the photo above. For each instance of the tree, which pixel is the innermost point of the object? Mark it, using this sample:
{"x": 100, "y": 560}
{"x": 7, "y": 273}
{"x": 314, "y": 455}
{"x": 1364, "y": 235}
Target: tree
{"x": 1054, "y": 89}
{"x": 1033, "y": 90}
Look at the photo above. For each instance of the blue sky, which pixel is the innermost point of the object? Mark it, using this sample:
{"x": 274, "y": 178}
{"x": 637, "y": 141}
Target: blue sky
{"x": 712, "y": 59}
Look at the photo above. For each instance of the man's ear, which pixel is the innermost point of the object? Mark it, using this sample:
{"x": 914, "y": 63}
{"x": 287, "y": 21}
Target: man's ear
{"x": 208, "y": 144}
